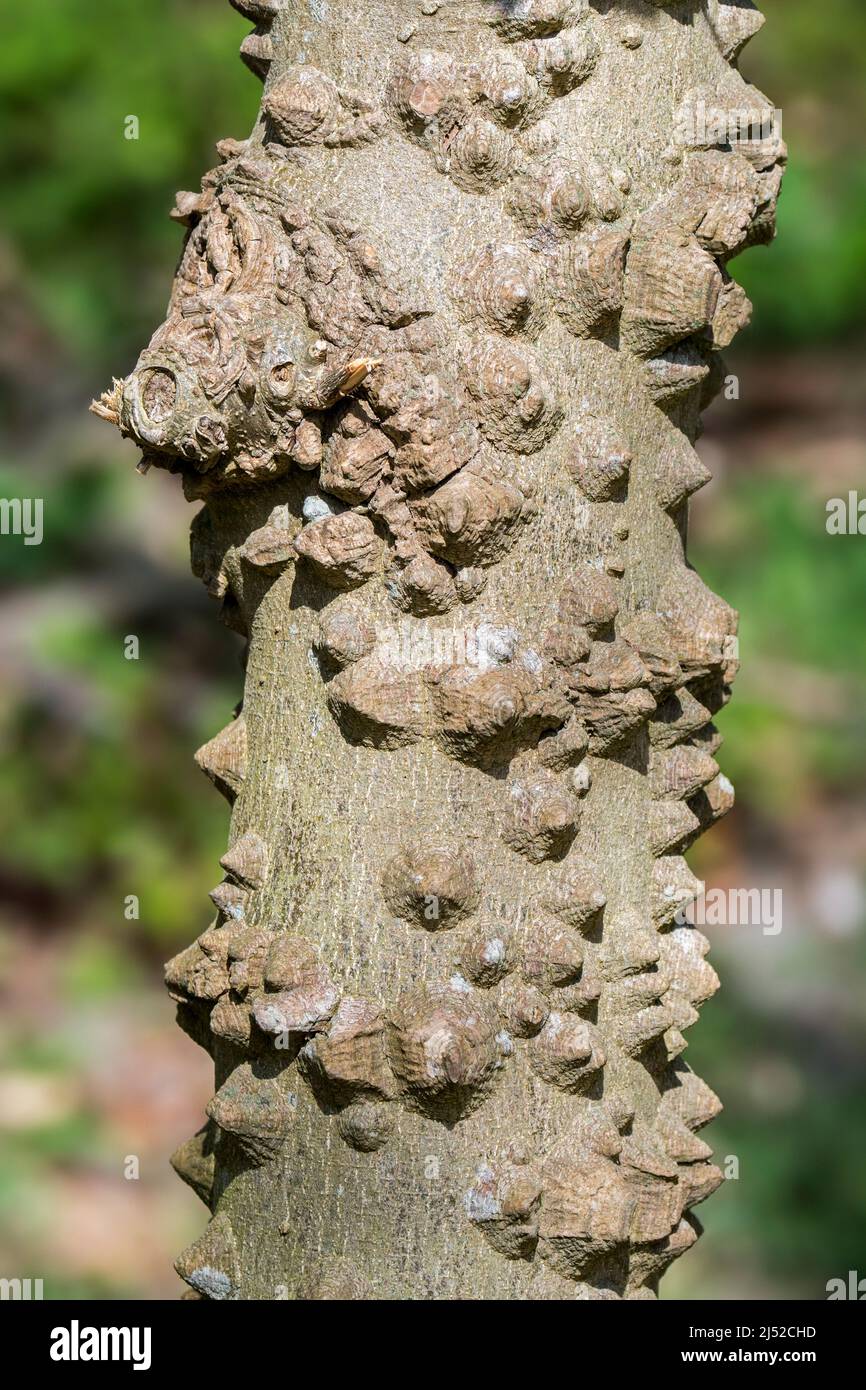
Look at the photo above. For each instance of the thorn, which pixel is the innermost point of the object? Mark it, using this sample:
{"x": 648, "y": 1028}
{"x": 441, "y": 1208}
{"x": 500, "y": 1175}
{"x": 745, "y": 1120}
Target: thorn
{"x": 107, "y": 407}
{"x": 355, "y": 373}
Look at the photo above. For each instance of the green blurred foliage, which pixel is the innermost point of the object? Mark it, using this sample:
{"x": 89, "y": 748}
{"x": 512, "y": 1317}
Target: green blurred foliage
{"x": 801, "y": 595}
{"x": 810, "y": 286}
{"x": 87, "y": 245}
{"x": 797, "y": 1209}
{"x": 85, "y": 208}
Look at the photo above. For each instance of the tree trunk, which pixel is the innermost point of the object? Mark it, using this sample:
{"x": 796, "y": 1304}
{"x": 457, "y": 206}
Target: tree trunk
{"x": 434, "y": 362}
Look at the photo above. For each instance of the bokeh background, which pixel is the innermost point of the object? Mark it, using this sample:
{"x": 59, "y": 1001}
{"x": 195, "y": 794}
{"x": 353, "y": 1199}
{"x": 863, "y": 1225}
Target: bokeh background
{"x": 102, "y": 803}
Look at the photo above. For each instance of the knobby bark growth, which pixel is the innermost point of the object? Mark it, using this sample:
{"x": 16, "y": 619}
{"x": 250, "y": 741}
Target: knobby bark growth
{"x": 434, "y": 361}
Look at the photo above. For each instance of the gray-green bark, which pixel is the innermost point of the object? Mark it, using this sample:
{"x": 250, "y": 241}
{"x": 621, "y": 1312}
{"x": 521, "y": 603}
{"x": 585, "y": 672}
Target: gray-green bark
{"x": 434, "y": 363}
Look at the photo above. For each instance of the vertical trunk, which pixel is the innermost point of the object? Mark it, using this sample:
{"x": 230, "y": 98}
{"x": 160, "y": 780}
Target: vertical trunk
{"x": 434, "y": 363}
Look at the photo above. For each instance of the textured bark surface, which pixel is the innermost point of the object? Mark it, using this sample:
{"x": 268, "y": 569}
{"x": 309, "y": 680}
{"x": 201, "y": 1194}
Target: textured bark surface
{"x": 434, "y": 362}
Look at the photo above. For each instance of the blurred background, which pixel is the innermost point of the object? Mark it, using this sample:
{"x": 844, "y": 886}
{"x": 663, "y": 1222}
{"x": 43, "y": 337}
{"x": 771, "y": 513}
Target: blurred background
{"x": 110, "y": 835}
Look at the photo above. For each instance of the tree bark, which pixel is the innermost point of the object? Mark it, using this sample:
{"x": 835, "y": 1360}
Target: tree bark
{"x": 434, "y": 362}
